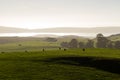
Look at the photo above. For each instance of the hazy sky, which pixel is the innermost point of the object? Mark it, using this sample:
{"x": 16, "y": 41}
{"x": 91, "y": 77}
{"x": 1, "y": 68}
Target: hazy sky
{"x": 59, "y": 13}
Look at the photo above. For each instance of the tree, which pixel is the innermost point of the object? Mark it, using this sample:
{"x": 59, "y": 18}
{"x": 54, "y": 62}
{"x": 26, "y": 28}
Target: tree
{"x": 101, "y": 41}
{"x": 81, "y": 44}
{"x": 64, "y": 44}
{"x": 110, "y": 44}
{"x": 117, "y": 44}
{"x": 73, "y": 43}
{"x": 100, "y": 35}
{"x": 90, "y": 44}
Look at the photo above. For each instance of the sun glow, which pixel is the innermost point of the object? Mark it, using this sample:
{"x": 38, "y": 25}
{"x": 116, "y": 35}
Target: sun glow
{"x": 34, "y": 23}
{"x": 90, "y": 35}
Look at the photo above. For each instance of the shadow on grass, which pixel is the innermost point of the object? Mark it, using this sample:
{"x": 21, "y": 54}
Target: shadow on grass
{"x": 110, "y": 65}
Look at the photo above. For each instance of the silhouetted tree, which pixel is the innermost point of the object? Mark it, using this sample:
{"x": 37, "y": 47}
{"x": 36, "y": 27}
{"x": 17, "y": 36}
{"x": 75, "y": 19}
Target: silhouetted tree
{"x": 81, "y": 44}
{"x": 101, "y": 41}
{"x": 89, "y": 44}
{"x": 117, "y": 44}
{"x": 100, "y": 35}
{"x": 110, "y": 44}
{"x": 73, "y": 43}
{"x": 64, "y": 44}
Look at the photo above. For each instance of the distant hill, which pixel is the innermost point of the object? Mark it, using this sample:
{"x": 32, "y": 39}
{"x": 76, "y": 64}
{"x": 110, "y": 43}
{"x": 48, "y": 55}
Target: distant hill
{"x": 69, "y": 37}
{"x": 46, "y": 35}
{"x": 95, "y": 30}
{"x": 12, "y": 30}
{"x": 4, "y": 40}
{"x": 115, "y": 37}
{"x": 58, "y": 39}
{"x": 103, "y": 30}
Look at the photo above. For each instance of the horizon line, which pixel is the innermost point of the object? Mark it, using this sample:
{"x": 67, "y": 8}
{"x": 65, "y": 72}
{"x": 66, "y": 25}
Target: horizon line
{"x": 61, "y": 27}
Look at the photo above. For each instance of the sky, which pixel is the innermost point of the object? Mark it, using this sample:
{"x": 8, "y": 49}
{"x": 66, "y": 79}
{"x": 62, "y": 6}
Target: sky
{"x": 34, "y": 14}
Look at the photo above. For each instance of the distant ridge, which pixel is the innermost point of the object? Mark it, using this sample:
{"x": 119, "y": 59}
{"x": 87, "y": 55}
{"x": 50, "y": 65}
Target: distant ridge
{"x": 81, "y": 30}
{"x": 12, "y": 30}
{"x": 69, "y": 30}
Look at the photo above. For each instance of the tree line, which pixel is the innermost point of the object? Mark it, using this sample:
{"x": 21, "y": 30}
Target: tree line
{"x": 101, "y": 42}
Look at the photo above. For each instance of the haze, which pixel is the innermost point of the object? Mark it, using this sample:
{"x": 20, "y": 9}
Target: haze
{"x": 59, "y": 13}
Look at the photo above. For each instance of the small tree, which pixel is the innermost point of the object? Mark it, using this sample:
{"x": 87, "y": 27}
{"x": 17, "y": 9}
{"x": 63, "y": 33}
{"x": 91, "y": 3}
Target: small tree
{"x": 117, "y": 44}
{"x": 81, "y": 44}
{"x": 90, "y": 44}
{"x": 101, "y": 41}
{"x": 73, "y": 43}
{"x": 64, "y": 44}
{"x": 110, "y": 44}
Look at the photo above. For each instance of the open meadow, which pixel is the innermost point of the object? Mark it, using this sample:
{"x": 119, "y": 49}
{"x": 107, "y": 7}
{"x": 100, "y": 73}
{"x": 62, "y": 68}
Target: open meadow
{"x": 72, "y": 64}
{"x": 59, "y": 39}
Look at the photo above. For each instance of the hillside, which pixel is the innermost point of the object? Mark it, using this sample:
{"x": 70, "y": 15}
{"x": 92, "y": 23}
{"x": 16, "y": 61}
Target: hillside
{"x": 69, "y": 37}
{"x": 5, "y": 40}
{"x": 94, "y": 30}
{"x": 115, "y": 37}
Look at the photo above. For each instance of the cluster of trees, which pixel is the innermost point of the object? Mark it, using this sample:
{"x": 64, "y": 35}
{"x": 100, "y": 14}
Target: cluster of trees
{"x": 101, "y": 42}
{"x": 75, "y": 44}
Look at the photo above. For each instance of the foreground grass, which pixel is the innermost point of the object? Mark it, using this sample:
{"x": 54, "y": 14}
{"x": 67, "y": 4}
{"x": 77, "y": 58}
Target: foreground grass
{"x": 93, "y": 64}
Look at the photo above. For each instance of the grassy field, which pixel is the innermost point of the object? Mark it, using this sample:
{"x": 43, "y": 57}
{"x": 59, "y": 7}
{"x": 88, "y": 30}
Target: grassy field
{"x": 28, "y": 45}
{"x": 11, "y": 44}
{"x": 73, "y": 64}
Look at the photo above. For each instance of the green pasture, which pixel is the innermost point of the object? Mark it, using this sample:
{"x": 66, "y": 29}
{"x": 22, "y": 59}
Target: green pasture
{"x": 28, "y": 45}
{"x": 72, "y": 64}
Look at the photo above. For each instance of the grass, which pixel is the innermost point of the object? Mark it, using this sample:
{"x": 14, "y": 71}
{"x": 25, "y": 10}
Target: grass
{"x": 30, "y": 44}
{"x": 73, "y": 64}
{"x": 27, "y": 45}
